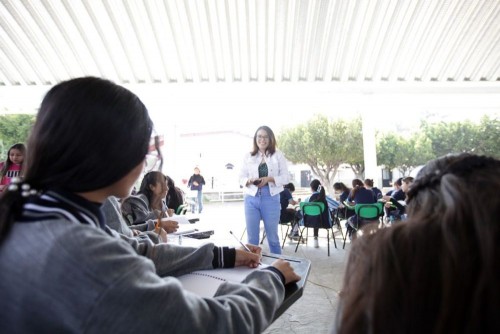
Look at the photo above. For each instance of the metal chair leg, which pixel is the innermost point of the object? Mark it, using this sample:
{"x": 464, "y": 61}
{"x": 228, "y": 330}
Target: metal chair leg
{"x": 263, "y": 237}
{"x": 333, "y": 236}
{"x": 286, "y": 234}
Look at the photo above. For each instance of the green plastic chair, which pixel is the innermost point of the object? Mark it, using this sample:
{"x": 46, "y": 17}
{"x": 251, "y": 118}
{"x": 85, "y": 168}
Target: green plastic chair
{"x": 371, "y": 211}
{"x": 312, "y": 217}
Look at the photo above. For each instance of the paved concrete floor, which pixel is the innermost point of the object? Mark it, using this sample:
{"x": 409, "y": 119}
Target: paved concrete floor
{"x": 315, "y": 311}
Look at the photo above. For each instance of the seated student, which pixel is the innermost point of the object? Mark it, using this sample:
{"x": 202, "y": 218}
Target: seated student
{"x": 376, "y": 191}
{"x": 111, "y": 208}
{"x": 438, "y": 271}
{"x": 396, "y": 186}
{"x": 175, "y": 196}
{"x": 396, "y": 209}
{"x": 359, "y": 195}
{"x": 319, "y": 195}
{"x": 82, "y": 278}
{"x": 343, "y": 191}
{"x": 397, "y": 193}
{"x": 149, "y": 203}
{"x": 288, "y": 214}
{"x": 13, "y": 166}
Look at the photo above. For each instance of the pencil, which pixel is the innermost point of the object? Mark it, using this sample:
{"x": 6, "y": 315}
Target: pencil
{"x": 242, "y": 244}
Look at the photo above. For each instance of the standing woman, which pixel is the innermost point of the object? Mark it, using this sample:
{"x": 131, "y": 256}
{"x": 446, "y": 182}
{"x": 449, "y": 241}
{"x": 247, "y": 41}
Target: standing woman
{"x": 82, "y": 277}
{"x": 263, "y": 174}
{"x": 13, "y": 166}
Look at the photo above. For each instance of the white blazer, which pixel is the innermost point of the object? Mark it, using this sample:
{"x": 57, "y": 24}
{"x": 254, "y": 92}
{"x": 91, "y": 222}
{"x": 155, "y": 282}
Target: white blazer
{"x": 276, "y": 166}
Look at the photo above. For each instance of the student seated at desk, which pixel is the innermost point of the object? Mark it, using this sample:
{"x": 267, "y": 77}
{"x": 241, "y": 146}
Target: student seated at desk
{"x": 359, "y": 195}
{"x": 438, "y": 271}
{"x": 149, "y": 203}
{"x": 289, "y": 215}
{"x": 343, "y": 194}
{"x": 318, "y": 195}
{"x": 111, "y": 209}
{"x": 175, "y": 197}
{"x": 63, "y": 271}
{"x": 396, "y": 209}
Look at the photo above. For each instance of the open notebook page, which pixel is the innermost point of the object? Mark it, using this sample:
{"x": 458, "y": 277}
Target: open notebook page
{"x": 206, "y": 282}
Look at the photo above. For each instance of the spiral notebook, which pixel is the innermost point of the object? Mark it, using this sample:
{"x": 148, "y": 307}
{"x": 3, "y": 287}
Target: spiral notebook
{"x": 206, "y": 282}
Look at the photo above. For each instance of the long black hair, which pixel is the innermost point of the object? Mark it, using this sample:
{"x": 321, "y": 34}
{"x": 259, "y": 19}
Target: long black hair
{"x": 89, "y": 133}
{"x": 438, "y": 271}
{"x": 317, "y": 187}
{"x": 151, "y": 179}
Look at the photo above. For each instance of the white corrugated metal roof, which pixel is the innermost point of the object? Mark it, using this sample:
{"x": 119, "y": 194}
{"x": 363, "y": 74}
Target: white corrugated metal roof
{"x": 177, "y": 41}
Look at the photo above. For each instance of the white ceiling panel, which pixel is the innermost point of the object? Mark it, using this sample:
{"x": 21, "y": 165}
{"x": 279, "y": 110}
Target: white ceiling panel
{"x": 175, "y": 41}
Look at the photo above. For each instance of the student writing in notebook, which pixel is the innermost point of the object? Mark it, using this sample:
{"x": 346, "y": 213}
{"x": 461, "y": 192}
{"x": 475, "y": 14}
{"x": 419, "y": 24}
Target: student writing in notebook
{"x": 149, "y": 203}
{"x": 64, "y": 271}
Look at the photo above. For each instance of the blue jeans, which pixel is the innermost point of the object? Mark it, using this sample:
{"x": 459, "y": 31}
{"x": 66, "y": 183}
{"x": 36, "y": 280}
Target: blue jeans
{"x": 264, "y": 207}
{"x": 200, "y": 201}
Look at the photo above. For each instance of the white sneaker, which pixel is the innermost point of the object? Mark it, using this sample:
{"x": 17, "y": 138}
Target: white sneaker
{"x": 316, "y": 244}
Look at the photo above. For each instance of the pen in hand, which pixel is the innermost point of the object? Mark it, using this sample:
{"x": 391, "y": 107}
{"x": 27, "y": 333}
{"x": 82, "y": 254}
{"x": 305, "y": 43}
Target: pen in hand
{"x": 242, "y": 244}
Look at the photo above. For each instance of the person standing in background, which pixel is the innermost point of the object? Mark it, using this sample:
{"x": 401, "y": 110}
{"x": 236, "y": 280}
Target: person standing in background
{"x": 196, "y": 182}
{"x": 263, "y": 174}
{"x": 13, "y": 166}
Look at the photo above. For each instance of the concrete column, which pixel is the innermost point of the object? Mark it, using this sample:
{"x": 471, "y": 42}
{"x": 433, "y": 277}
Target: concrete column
{"x": 369, "y": 146}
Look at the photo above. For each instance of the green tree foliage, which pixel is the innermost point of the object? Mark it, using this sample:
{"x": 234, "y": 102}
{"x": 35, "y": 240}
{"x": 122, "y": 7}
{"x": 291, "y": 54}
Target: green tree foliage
{"x": 323, "y": 145}
{"x": 459, "y": 137}
{"x": 354, "y": 147}
{"x": 14, "y": 129}
{"x": 488, "y": 137}
{"x": 396, "y": 151}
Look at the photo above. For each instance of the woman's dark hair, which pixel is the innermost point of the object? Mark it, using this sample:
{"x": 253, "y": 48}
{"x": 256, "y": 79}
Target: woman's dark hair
{"x": 438, "y": 271}
{"x": 316, "y": 186}
{"x": 290, "y": 187}
{"x": 20, "y": 147}
{"x": 151, "y": 179}
{"x": 357, "y": 183}
{"x": 398, "y": 182}
{"x": 369, "y": 183}
{"x": 174, "y": 197}
{"x": 340, "y": 186}
{"x": 272, "y": 141}
{"x": 89, "y": 133}
{"x": 408, "y": 179}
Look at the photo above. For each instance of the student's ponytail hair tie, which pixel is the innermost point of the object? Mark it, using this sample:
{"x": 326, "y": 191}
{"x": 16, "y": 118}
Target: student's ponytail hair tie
{"x": 23, "y": 188}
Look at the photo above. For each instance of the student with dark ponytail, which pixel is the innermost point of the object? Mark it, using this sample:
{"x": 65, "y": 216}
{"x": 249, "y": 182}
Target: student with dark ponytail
{"x": 318, "y": 195}
{"x": 64, "y": 271}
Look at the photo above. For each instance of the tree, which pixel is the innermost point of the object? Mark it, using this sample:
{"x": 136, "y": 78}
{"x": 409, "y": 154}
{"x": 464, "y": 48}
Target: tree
{"x": 389, "y": 153}
{"x": 321, "y": 144}
{"x": 459, "y": 137}
{"x": 14, "y": 129}
{"x": 395, "y": 151}
{"x": 354, "y": 148}
{"x": 488, "y": 137}
{"x": 451, "y": 137}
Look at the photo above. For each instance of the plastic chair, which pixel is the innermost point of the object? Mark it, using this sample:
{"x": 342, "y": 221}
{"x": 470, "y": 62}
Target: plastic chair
{"x": 370, "y": 212}
{"x": 182, "y": 209}
{"x": 312, "y": 217}
{"x": 289, "y": 225}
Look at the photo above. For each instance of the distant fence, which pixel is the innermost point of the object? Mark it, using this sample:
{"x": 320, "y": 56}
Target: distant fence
{"x": 237, "y": 195}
